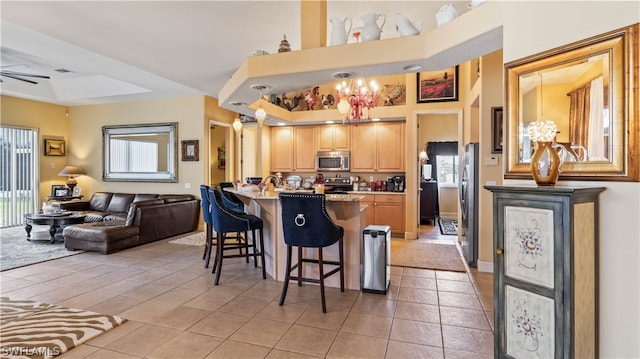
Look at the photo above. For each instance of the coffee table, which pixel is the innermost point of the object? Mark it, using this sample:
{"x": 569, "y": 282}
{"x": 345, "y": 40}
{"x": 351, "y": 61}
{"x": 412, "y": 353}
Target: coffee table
{"x": 54, "y": 220}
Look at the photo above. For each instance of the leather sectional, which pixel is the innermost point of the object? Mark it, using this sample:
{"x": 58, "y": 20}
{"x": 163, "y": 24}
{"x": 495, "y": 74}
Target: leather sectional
{"x": 115, "y": 221}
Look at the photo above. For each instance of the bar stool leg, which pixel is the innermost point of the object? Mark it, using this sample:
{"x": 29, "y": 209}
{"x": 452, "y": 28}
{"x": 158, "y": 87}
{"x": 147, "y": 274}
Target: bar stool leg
{"x": 341, "y": 253}
{"x": 208, "y": 246}
{"x": 299, "y": 266}
{"x": 321, "y": 274}
{"x": 253, "y": 244}
{"x": 264, "y": 266}
{"x": 287, "y": 275}
{"x": 219, "y": 257}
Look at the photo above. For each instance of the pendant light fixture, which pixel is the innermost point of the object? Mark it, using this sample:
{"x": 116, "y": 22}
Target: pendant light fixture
{"x": 261, "y": 114}
{"x": 237, "y": 125}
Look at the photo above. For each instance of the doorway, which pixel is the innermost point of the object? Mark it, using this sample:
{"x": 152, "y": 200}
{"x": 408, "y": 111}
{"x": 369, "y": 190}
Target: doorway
{"x": 438, "y": 126}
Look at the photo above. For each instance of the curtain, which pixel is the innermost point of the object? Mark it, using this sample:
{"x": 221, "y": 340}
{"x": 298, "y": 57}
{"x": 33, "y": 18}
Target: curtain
{"x": 579, "y": 115}
{"x": 595, "y": 144}
{"x": 448, "y": 148}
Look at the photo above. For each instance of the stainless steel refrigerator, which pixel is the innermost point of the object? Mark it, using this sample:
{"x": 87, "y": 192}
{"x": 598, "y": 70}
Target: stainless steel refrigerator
{"x": 468, "y": 193}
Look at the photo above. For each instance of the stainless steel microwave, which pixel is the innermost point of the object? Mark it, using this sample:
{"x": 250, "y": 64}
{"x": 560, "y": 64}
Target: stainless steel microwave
{"x": 333, "y": 160}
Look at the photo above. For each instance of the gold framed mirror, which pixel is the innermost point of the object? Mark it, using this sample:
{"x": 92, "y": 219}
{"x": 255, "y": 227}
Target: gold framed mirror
{"x": 590, "y": 90}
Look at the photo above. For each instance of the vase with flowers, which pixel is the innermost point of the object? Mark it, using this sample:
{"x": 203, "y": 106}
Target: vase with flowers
{"x": 545, "y": 162}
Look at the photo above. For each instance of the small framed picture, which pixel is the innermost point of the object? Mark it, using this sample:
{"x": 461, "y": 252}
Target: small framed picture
{"x": 221, "y": 158}
{"x": 190, "y": 150}
{"x": 76, "y": 191}
{"x": 54, "y": 147}
{"x": 496, "y": 130}
{"x": 438, "y": 86}
{"x": 59, "y": 190}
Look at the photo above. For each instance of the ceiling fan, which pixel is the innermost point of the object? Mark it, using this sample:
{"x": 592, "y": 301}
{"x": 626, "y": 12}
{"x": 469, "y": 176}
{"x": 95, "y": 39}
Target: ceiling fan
{"x": 21, "y": 76}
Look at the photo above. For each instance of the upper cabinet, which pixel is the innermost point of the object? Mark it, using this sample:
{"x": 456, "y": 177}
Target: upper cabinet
{"x": 377, "y": 147}
{"x": 334, "y": 137}
{"x": 282, "y": 149}
{"x": 305, "y": 148}
{"x": 293, "y": 149}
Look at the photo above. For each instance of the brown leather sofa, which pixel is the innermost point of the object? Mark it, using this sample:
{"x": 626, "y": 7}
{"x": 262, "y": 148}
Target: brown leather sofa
{"x": 115, "y": 221}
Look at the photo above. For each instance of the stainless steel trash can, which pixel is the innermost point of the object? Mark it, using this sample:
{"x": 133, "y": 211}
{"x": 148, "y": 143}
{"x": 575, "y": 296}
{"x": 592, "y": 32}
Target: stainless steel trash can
{"x": 376, "y": 259}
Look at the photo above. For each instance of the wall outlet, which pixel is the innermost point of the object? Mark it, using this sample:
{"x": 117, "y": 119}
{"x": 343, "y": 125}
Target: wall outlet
{"x": 187, "y": 185}
{"x": 53, "y": 165}
{"x": 490, "y": 183}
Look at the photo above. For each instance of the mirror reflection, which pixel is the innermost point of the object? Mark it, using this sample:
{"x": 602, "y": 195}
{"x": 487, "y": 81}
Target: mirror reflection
{"x": 576, "y": 97}
{"x": 141, "y": 153}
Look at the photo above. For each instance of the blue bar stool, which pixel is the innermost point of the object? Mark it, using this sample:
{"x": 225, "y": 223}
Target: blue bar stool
{"x": 230, "y": 200}
{"x": 226, "y": 221}
{"x": 206, "y": 215}
{"x": 306, "y": 224}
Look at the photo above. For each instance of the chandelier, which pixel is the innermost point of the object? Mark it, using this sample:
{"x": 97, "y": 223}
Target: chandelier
{"x": 353, "y": 99}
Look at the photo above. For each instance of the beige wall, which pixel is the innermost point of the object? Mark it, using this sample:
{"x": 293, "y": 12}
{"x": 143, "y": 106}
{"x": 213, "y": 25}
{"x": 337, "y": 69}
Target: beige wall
{"x": 51, "y": 122}
{"x": 86, "y": 131}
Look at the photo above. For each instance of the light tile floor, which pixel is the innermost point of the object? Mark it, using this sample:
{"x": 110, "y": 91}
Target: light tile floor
{"x": 175, "y": 311}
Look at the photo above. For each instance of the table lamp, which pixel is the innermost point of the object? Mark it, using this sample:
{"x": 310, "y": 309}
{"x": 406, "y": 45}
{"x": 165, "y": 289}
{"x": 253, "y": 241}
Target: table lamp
{"x": 71, "y": 171}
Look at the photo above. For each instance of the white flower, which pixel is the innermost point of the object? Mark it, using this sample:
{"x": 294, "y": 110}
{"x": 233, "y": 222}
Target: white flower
{"x": 542, "y": 131}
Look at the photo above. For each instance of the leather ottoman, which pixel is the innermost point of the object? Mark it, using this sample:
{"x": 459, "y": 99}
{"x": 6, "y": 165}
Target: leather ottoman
{"x": 103, "y": 237}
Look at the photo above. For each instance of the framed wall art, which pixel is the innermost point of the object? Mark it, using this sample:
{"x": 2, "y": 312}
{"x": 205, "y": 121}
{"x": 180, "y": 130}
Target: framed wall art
{"x": 54, "y": 147}
{"x": 59, "y": 190}
{"x": 496, "y": 130}
{"x": 221, "y": 158}
{"x": 438, "y": 86}
{"x": 190, "y": 150}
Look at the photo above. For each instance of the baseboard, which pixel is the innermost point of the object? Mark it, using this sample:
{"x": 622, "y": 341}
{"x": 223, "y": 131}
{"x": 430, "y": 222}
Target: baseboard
{"x": 449, "y": 215}
{"x": 485, "y": 267}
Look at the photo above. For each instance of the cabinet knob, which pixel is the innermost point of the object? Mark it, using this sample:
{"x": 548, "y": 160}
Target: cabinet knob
{"x": 499, "y": 251}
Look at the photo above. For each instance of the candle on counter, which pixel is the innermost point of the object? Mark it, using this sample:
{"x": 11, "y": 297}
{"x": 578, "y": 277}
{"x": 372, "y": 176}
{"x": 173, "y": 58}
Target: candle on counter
{"x": 319, "y": 189}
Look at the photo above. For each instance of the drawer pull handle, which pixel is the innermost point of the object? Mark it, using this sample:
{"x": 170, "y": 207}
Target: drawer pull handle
{"x": 499, "y": 251}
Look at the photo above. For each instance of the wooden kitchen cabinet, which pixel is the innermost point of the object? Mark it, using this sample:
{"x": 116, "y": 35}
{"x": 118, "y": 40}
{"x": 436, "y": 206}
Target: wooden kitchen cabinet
{"x": 386, "y": 209}
{"x": 377, "y": 147}
{"x": 545, "y": 269}
{"x": 282, "y": 141}
{"x": 293, "y": 148}
{"x": 334, "y": 137}
{"x": 305, "y": 148}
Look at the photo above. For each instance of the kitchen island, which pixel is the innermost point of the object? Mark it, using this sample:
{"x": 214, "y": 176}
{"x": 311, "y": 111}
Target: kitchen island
{"x": 344, "y": 209}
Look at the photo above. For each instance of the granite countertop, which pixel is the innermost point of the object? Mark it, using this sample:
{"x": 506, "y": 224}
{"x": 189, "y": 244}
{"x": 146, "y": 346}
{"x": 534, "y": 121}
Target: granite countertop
{"x": 351, "y": 197}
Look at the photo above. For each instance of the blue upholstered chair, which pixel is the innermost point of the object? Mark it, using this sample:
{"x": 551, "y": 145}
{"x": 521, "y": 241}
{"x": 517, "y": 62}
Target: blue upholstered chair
{"x": 206, "y": 215}
{"x": 229, "y": 199}
{"x": 306, "y": 224}
{"x": 225, "y": 222}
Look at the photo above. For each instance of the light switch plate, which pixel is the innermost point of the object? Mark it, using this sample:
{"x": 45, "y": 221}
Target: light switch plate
{"x": 491, "y": 161}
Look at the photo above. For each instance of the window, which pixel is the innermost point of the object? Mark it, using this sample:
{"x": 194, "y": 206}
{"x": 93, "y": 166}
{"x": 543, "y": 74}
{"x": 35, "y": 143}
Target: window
{"x": 134, "y": 156}
{"x": 447, "y": 170}
{"x": 19, "y": 162}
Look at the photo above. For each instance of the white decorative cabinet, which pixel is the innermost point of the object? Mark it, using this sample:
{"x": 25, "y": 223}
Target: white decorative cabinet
{"x": 545, "y": 271}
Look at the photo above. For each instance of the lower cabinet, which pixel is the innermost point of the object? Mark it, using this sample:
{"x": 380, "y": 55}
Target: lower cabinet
{"x": 545, "y": 271}
{"x": 428, "y": 202}
{"x": 386, "y": 209}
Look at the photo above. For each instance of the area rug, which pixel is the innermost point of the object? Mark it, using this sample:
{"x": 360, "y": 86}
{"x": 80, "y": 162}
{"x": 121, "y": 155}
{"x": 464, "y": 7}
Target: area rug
{"x": 31, "y": 329}
{"x": 414, "y": 253}
{"x": 448, "y": 226}
{"x": 16, "y": 251}
{"x": 195, "y": 239}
